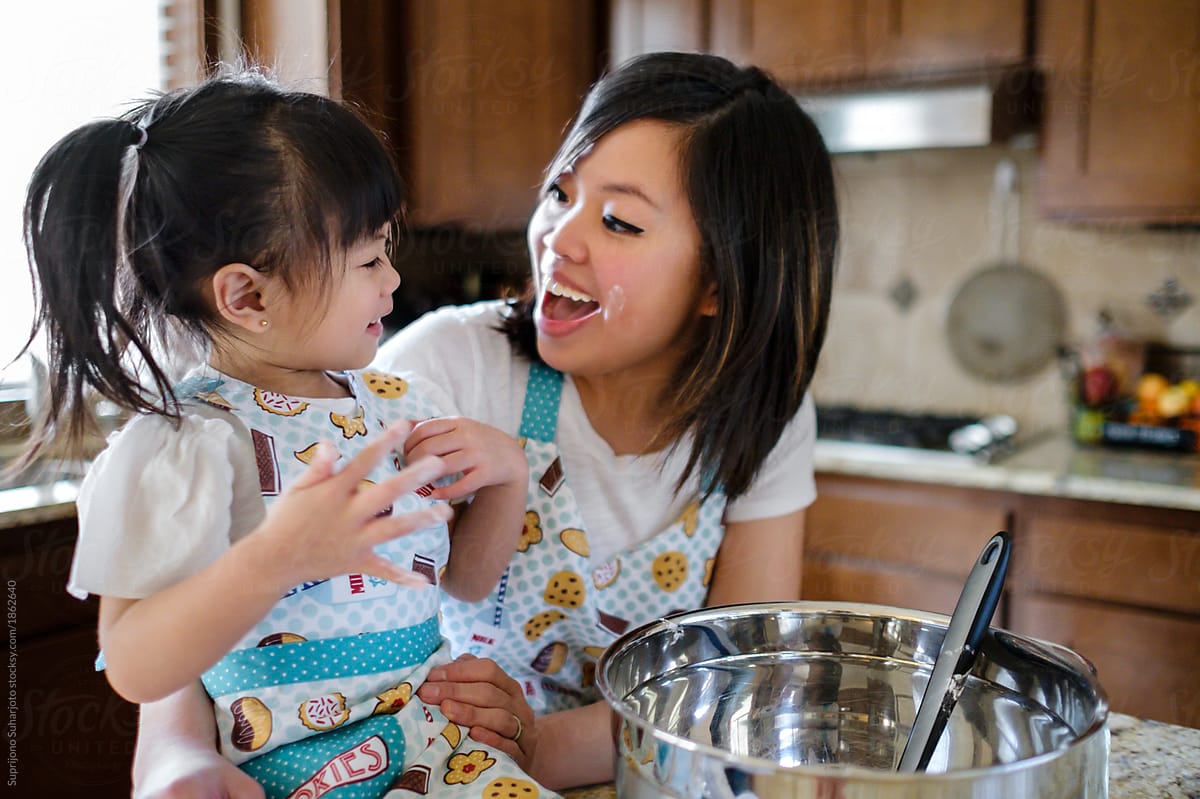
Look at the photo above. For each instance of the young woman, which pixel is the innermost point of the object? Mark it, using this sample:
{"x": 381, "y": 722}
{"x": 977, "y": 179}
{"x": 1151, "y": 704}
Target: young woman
{"x": 224, "y": 544}
{"x": 656, "y": 375}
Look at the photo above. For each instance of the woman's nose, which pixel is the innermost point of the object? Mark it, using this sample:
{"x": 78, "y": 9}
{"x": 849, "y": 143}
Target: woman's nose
{"x": 566, "y": 239}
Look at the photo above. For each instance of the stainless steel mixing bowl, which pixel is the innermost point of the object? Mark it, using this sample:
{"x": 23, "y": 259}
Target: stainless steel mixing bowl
{"x": 808, "y": 699}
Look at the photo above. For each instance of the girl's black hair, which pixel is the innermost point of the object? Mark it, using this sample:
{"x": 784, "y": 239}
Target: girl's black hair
{"x": 760, "y": 184}
{"x": 126, "y": 218}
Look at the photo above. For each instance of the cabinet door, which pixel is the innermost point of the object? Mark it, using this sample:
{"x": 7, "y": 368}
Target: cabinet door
{"x": 837, "y": 579}
{"x": 800, "y": 42}
{"x": 813, "y": 43}
{"x": 916, "y": 37}
{"x": 75, "y": 737}
{"x": 1109, "y": 553}
{"x": 892, "y": 543}
{"x": 1146, "y": 661}
{"x": 475, "y": 95}
{"x": 1122, "y": 109}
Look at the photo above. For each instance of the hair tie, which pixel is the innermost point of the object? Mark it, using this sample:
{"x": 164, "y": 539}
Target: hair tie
{"x": 141, "y": 136}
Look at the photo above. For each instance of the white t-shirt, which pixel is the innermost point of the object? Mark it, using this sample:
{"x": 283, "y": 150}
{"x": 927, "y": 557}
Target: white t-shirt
{"x": 471, "y": 370}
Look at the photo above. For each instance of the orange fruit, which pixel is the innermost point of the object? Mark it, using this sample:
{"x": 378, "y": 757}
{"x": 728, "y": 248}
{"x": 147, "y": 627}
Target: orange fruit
{"x": 1173, "y": 401}
{"x": 1149, "y": 386}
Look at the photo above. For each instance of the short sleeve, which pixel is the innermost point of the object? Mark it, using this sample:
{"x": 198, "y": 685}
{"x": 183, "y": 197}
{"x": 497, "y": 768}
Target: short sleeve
{"x": 158, "y": 505}
{"x": 785, "y": 483}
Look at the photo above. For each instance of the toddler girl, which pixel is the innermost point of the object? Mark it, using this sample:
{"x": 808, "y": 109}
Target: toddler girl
{"x": 222, "y": 537}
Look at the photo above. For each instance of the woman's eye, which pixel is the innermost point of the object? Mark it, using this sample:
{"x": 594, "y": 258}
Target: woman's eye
{"x": 556, "y": 193}
{"x": 620, "y": 226}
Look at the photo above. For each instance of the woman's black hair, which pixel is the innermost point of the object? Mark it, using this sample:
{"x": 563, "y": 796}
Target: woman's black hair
{"x": 760, "y": 184}
{"x": 126, "y": 218}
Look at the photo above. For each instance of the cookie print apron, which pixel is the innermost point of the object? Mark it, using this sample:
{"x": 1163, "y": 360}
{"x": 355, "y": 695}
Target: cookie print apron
{"x": 319, "y": 699}
{"x": 555, "y": 610}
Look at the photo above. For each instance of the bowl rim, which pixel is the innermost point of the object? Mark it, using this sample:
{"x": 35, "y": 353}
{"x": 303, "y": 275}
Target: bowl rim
{"x": 763, "y": 765}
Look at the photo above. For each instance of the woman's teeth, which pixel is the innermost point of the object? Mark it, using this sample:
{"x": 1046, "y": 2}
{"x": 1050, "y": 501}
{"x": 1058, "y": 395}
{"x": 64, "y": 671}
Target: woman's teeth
{"x": 559, "y": 290}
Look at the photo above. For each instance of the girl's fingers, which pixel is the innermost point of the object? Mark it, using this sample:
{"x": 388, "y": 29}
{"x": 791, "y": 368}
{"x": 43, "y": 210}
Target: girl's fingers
{"x": 423, "y": 432}
{"x": 388, "y": 527}
{"x": 320, "y": 468}
{"x": 377, "y": 566}
{"x": 465, "y": 486}
{"x": 370, "y": 499}
{"x": 361, "y": 464}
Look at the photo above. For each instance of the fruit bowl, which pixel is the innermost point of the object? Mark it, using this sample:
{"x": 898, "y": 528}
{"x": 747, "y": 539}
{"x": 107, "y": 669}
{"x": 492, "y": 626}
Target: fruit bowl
{"x": 1160, "y": 414}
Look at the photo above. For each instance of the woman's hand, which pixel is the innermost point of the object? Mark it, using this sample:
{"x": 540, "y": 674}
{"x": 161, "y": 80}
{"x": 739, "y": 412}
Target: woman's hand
{"x": 483, "y": 454}
{"x": 328, "y": 523}
{"x": 479, "y": 695}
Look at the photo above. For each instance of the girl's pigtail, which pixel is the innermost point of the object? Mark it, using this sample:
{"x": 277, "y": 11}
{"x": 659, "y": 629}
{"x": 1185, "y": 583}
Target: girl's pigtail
{"x": 78, "y": 232}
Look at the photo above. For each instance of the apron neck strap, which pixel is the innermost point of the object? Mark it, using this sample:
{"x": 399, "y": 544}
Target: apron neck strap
{"x": 539, "y": 417}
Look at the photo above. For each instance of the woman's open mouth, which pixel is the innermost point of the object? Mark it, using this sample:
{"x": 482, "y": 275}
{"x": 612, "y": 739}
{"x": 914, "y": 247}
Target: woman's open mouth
{"x": 564, "y": 304}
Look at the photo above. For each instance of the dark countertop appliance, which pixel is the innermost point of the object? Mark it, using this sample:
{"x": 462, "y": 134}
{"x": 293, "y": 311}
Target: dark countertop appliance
{"x": 915, "y": 436}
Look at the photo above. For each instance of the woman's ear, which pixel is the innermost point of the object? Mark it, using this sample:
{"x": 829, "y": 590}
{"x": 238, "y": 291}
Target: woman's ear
{"x": 237, "y": 292}
{"x": 708, "y": 300}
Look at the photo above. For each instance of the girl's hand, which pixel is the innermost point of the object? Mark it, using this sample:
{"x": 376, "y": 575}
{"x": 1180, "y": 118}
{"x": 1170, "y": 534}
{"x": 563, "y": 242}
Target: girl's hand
{"x": 479, "y": 695}
{"x": 483, "y": 454}
{"x": 328, "y": 523}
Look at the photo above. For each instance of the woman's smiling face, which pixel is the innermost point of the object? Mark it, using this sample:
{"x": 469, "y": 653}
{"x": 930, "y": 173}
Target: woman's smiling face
{"x": 615, "y": 255}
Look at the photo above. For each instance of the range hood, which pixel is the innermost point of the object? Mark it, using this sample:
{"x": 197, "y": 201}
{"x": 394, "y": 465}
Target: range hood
{"x": 956, "y": 114}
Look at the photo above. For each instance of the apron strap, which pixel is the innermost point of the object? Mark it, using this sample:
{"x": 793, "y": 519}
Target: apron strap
{"x": 539, "y": 417}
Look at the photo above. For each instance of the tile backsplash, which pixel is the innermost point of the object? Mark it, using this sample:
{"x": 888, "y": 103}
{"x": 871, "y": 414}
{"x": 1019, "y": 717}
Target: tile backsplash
{"x": 916, "y": 225}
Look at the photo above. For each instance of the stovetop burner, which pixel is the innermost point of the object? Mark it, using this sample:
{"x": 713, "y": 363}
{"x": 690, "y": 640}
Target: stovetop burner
{"x": 957, "y": 435}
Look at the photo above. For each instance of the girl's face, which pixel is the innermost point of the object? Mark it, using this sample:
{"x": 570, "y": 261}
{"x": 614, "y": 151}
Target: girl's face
{"x": 341, "y": 329}
{"x": 615, "y": 255}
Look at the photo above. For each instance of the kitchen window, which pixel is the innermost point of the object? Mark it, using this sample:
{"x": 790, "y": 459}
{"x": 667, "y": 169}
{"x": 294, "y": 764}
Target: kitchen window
{"x": 67, "y": 62}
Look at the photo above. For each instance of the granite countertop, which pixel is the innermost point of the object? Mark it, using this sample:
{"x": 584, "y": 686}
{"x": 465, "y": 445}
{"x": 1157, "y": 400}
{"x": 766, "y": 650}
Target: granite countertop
{"x": 1049, "y": 465}
{"x": 33, "y": 504}
{"x": 1147, "y": 760}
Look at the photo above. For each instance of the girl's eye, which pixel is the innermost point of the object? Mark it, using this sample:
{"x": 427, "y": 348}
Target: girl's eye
{"x": 375, "y": 263}
{"x": 620, "y": 226}
{"x": 556, "y": 193}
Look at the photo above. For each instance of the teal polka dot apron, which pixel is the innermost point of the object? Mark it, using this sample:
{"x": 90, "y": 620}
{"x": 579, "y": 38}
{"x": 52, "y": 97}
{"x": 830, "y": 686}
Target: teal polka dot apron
{"x": 319, "y": 699}
{"x": 555, "y": 609}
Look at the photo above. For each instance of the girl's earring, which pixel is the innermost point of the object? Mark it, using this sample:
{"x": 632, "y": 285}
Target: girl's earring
{"x": 263, "y": 322}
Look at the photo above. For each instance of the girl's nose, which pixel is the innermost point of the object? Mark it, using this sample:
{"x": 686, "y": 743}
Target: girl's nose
{"x": 391, "y": 280}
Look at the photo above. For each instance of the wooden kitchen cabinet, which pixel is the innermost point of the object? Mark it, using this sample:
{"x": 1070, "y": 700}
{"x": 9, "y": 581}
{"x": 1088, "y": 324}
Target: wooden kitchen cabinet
{"x": 815, "y": 43}
{"x": 1121, "y": 128}
{"x": 1117, "y": 583}
{"x": 474, "y": 94}
{"x": 74, "y": 736}
{"x": 890, "y": 543}
{"x": 1120, "y": 585}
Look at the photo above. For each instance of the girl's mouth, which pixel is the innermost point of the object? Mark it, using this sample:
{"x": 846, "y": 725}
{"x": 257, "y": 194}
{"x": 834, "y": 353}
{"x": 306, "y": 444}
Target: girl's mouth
{"x": 564, "y": 304}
